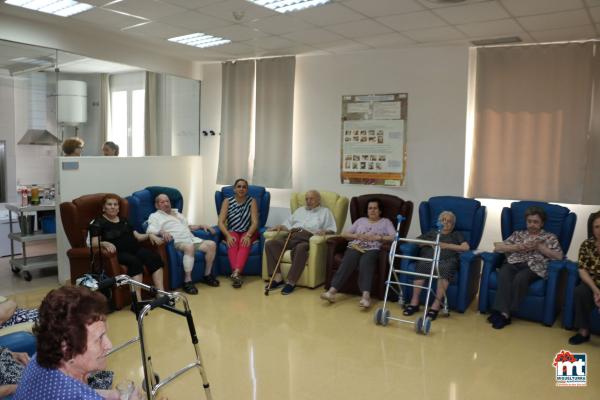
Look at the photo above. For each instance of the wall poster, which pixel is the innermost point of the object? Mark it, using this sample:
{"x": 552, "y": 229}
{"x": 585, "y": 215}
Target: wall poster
{"x": 374, "y": 139}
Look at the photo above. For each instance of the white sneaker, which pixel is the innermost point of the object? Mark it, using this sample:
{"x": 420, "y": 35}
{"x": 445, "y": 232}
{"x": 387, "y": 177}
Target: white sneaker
{"x": 328, "y": 296}
{"x": 364, "y": 303}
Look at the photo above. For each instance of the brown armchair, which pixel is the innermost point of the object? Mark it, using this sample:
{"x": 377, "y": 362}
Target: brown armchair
{"x": 336, "y": 246}
{"x": 76, "y": 216}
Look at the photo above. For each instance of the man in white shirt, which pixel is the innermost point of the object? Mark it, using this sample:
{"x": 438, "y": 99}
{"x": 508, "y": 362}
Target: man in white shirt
{"x": 170, "y": 224}
{"x": 303, "y": 223}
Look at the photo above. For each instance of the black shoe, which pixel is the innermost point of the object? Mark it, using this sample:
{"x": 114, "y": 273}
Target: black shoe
{"x": 189, "y": 288}
{"x": 578, "y": 339}
{"x": 287, "y": 289}
{"x": 432, "y": 314}
{"x": 236, "y": 281}
{"x": 493, "y": 317}
{"x": 501, "y": 322}
{"x": 274, "y": 285}
{"x": 210, "y": 280}
{"x": 410, "y": 310}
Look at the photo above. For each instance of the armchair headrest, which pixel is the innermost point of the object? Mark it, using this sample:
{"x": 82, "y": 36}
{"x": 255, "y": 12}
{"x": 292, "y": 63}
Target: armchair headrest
{"x": 76, "y": 216}
{"x": 142, "y": 204}
{"x": 392, "y": 206}
{"x": 337, "y": 204}
{"x": 258, "y": 193}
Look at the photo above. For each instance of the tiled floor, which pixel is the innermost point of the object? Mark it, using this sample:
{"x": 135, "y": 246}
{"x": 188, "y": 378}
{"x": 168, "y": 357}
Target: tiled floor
{"x": 298, "y": 347}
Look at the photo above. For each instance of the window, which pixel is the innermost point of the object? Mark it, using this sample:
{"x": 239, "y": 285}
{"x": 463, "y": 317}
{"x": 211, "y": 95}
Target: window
{"x": 127, "y": 113}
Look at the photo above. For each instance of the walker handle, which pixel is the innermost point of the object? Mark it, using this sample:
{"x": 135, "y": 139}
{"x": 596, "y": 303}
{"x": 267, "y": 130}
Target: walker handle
{"x": 159, "y": 301}
{"x": 107, "y": 283}
{"x": 400, "y": 218}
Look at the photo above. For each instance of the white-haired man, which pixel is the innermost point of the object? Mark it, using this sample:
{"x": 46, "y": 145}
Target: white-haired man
{"x": 303, "y": 223}
{"x": 170, "y": 224}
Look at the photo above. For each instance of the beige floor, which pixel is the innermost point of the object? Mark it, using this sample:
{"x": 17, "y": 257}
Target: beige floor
{"x": 297, "y": 347}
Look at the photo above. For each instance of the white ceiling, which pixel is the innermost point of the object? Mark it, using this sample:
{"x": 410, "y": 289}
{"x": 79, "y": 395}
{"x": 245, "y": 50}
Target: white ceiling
{"x": 339, "y": 27}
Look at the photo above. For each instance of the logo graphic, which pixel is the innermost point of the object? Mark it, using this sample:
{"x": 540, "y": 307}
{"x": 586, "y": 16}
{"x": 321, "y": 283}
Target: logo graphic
{"x": 571, "y": 368}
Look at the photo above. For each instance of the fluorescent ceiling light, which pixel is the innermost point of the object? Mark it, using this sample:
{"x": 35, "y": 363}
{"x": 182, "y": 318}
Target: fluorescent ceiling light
{"x": 284, "y": 6}
{"x": 62, "y": 8}
{"x": 201, "y": 40}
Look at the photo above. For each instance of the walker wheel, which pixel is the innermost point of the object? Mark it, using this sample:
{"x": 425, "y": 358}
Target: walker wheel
{"x": 27, "y": 276}
{"x": 385, "y": 318}
{"x": 15, "y": 270}
{"x": 377, "y": 316}
{"x": 426, "y": 325}
{"x": 419, "y": 325}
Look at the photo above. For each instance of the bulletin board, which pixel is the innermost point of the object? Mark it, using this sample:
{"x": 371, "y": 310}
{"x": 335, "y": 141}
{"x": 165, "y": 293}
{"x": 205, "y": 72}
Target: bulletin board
{"x": 374, "y": 139}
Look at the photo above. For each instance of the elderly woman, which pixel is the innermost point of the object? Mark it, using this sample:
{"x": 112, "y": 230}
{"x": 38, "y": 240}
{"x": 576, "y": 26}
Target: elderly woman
{"x": 117, "y": 235}
{"x": 238, "y": 221}
{"x": 587, "y": 293}
{"x": 529, "y": 252}
{"x": 110, "y": 149}
{"x": 72, "y": 147}
{"x": 451, "y": 243}
{"x": 71, "y": 344}
{"x": 366, "y": 236}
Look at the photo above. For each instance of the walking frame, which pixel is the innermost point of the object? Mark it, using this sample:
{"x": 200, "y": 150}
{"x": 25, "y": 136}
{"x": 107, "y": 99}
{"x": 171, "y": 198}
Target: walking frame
{"x": 167, "y": 301}
{"x": 382, "y": 315}
{"x": 277, "y": 266}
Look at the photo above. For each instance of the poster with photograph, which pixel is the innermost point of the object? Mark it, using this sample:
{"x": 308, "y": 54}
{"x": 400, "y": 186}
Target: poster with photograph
{"x": 374, "y": 139}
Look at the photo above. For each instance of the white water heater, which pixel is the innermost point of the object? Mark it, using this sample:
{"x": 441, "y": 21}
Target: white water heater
{"x": 72, "y": 102}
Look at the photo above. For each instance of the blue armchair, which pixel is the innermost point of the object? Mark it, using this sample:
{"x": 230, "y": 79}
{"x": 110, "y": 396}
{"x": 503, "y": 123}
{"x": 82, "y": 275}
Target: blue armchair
{"x": 470, "y": 220}
{"x": 568, "y": 317}
{"x": 541, "y": 301}
{"x": 254, "y": 263}
{"x": 141, "y": 205}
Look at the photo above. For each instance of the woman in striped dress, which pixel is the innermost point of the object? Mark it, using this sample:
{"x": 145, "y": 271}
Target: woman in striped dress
{"x": 238, "y": 221}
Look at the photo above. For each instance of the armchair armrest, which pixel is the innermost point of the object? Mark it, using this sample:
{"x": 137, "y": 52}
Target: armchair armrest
{"x": 573, "y": 279}
{"x": 336, "y": 244}
{"x": 491, "y": 262}
{"x": 551, "y": 298}
{"x": 206, "y": 235}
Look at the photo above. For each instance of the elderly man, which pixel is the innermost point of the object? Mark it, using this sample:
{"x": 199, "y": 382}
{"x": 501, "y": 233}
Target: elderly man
{"x": 305, "y": 222}
{"x": 170, "y": 224}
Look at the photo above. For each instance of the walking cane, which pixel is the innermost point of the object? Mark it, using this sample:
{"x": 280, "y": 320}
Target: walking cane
{"x": 268, "y": 287}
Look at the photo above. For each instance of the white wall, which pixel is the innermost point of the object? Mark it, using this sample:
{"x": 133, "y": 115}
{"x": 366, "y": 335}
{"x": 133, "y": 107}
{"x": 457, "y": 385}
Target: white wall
{"x": 124, "y": 176}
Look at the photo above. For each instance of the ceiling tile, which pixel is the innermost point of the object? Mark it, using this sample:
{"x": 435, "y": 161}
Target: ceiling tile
{"x": 280, "y": 24}
{"x": 156, "y": 30}
{"x": 595, "y": 13}
{"x": 271, "y": 43}
{"x": 592, "y": 3}
{"x": 190, "y": 4}
{"x": 380, "y": 8}
{"x": 387, "y": 40}
{"x": 491, "y": 28}
{"x": 365, "y": 27}
{"x": 575, "y": 33}
{"x": 436, "y": 4}
{"x": 555, "y": 20}
{"x": 194, "y": 21}
{"x": 418, "y": 20}
{"x": 313, "y": 36}
{"x": 343, "y": 46}
{"x": 291, "y": 51}
{"x": 434, "y": 34}
{"x": 237, "y": 49}
{"x": 108, "y": 19}
{"x": 225, "y": 10}
{"x": 472, "y": 13}
{"x": 520, "y": 8}
{"x": 97, "y": 3}
{"x": 329, "y": 14}
{"x": 237, "y": 33}
{"x": 151, "y": 9}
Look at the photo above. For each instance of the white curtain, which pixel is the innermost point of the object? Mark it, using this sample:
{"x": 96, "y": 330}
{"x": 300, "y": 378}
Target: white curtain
{"x": 151, "y": 138}
{"x": 274, "y": 122}
{"x": 534, "y": 132}
{"x": 105, "y": 117}
{"x": 236, "y": 120}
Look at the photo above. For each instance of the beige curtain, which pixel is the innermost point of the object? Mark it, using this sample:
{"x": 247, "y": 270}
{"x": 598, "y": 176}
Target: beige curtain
{"x": 236, "y": 120}
{"x": 532, "y": 123}
{"x": 105, "y": 116}
{"x": 151, "y": 138}
{"x": 274, "y": 122}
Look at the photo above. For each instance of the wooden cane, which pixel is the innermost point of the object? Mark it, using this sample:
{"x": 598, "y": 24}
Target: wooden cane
{"x": 268, "y": 288}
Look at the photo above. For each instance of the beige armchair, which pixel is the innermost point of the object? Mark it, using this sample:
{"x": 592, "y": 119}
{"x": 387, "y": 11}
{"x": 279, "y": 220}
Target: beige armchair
{"x": 315, "y": 272}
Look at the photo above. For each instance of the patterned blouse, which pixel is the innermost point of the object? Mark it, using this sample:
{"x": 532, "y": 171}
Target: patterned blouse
{"x": 536, "y": 261}
{"x": 238, "y": 215}
{"x": 589, "y": 259}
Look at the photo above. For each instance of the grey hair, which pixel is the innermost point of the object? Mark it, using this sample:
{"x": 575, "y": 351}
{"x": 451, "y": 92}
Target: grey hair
{"x": 447, "y": 213}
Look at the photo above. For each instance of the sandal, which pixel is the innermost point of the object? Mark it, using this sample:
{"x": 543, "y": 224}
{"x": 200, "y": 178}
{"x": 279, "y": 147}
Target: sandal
{"x": 432, "y": 314}
{"x": 410, "y": 310}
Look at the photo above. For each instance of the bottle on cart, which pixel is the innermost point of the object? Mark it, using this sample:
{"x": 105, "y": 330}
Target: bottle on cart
{"x": 35, "y": 195}
{"x": 24, "y": 197}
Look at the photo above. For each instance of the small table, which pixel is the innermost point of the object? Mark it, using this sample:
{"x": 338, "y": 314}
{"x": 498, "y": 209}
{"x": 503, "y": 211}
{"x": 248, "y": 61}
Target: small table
{"x": 26, "y": 264}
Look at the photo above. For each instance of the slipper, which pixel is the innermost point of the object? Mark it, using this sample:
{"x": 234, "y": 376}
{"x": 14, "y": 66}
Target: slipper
{"x": 364, "y": 303}
{"x": 410, "y": 310}
{"x": 432, "y": 314}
